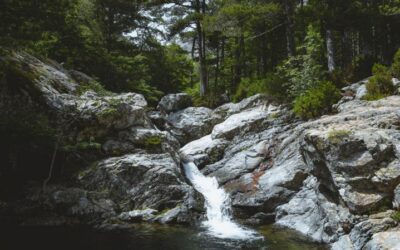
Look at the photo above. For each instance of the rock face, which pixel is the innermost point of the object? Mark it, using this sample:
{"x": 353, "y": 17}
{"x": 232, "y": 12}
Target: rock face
{"x": 191, "y": 123}
{"x": 335, "y": 179}
{"x": 128, "y": 164}
{"x": 323, "y": 178}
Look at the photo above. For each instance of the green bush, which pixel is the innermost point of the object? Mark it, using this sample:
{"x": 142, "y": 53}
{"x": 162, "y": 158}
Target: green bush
{"x": 304, "y": 71}
{"x": 380, "y": 84}
{"x": 316, "y": 101}
{"x": 194, "y": 92}
{"x": 396, "y": 65}
{"x": 249, "y": 87}
{"x": 271, "y": 85}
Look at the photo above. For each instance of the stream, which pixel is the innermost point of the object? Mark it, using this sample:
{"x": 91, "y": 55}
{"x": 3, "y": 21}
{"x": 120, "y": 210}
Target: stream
{"x": 218, "y": 231}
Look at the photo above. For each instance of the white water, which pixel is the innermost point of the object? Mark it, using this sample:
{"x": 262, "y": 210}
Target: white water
{"x": 219, "y": 221}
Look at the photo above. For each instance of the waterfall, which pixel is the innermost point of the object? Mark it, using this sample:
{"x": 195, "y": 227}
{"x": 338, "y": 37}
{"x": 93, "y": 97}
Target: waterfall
{"x": 219, "y": 221}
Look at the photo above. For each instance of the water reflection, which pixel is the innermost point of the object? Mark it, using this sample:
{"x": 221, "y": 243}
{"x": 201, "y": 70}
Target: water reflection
{"x": 145, "y": 237}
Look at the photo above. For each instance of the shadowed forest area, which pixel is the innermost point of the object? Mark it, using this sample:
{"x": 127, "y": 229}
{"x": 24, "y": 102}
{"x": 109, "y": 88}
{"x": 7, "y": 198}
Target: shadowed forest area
{"x": 214, "y": 50}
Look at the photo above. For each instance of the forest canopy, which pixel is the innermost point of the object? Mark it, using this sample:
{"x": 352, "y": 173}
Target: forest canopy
{"x": 297, "y": 51}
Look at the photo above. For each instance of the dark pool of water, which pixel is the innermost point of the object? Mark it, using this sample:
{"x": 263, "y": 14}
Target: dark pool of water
{"x": 143, "y": 237}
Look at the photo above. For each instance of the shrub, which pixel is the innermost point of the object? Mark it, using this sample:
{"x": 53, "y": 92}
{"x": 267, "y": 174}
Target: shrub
{"x": 271, "y": 85}
{"x": 194, "y": 92}
{"x": 396, "y": 65}
{"x": 249, "y": 87}
{"x": 380, "y": 84}
{"x": 304, "y": 71}
{"x": 316, "y": 101}
{"x": 275, "y": 87}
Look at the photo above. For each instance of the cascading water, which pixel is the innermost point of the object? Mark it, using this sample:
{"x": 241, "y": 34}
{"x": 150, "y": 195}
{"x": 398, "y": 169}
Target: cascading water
{"x": 219, "y": 221}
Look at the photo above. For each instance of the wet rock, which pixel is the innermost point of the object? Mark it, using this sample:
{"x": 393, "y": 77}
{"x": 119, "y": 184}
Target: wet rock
{"x": 138, "y": 215}
{"x": 261, "y": 219}
{"x": 169, "y": 216}
{"x": 139, "y": 181}
{"x": 204, "y": 150}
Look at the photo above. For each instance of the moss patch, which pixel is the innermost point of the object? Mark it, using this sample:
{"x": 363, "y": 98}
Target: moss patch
{"x": 337, "y": 135}
{"x": 83, "y": 146}
{"x": 93, "y": 86}
{"x": 396, "y": 216}
{"x": 152, "y": 141}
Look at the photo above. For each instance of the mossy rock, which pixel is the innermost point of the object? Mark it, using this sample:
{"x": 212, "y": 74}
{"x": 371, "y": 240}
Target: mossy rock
{"x": 93, "y": 86}
{"x": 152, "y": 141}
{"x": 336, "y": 136}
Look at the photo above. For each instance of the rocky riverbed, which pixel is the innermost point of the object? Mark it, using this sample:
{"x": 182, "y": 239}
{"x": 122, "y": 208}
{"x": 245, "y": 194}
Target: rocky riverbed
{"x": 335, "y": 179}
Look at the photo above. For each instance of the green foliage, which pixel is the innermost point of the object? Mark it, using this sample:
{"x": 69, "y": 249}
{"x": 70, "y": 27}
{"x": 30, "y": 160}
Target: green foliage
{"x": 316, "y": 101}
{"x": 396, "y": 65}
{"x": 27, "y": 126}
{"x": 396, "y": 216}
{"x": 380, "y": 84}
{"x": 305, "y": 71}
{"x": 93, "y": 86}
{"x": 249, "y": 87}
{"x": 79, "y": 34}
{"x": 82, "y": 146}
{"x": 194, "y": 92}
{"x": 244, "y": 40}
{"x": 271, "y": 85}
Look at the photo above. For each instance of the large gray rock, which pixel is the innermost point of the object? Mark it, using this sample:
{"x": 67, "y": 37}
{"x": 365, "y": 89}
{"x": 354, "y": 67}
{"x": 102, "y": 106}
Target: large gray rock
{"x": 242, "y": 122}
{"x": 191, "y": 123}
{"x": 229, "y": 109}
{"x": 366, "y": 229}
{"x": 139, "y": 139}
{"x": 312, "y": 214}
{"x": 174, "y": 102}
{"x": 139, "y": 181}
{"x": 361, "y": 164}
{"x": 384, "y": 240}
{"x": 204, "y": 150}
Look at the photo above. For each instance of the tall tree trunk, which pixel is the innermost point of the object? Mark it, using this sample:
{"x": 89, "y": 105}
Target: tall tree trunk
{"x": 202, "y": 50}
{"x": 330, "y": 49}
{"x": 290, "y": 46}
{"x": 216, "y": 78}
{"x": 242, "y": 56}
{"x": 238, "y": 65}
